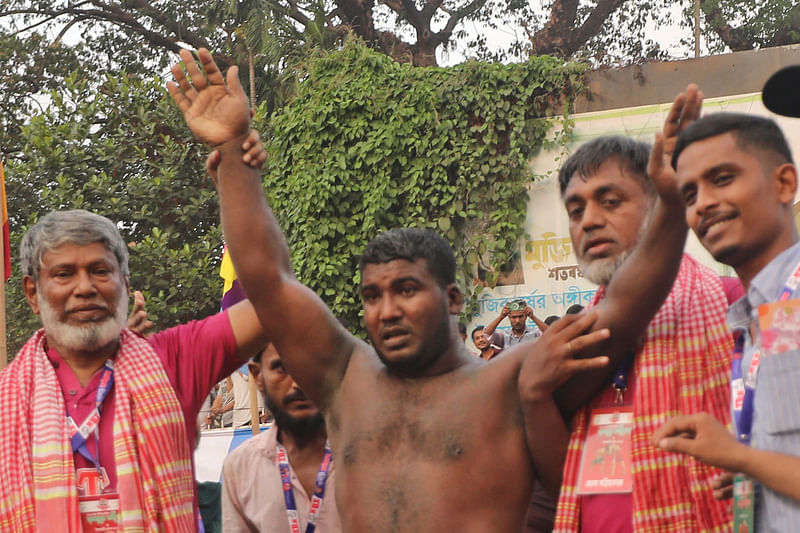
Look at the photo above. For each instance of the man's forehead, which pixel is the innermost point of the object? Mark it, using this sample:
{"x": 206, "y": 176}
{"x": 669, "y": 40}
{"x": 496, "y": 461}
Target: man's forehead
{"x": 609, "y": 176}
{"x": 706, "y": 154}
{"x": 69, "y": 252}
{"x": 396, "y": 268}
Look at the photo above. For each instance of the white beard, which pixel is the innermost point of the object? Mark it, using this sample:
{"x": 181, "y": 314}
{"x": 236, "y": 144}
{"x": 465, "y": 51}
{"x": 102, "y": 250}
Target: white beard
{"x": 600, "y": 271}
{"x": 92, "y": 336}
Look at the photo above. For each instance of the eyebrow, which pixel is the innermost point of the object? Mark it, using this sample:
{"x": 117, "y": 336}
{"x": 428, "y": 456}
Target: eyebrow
{"x": 68, "y": 264}
{"x": 711, "y": 172}
{"x": 728, "y": 165}
{"x": 600, "y": 191}
{"x": 394, "y": 283}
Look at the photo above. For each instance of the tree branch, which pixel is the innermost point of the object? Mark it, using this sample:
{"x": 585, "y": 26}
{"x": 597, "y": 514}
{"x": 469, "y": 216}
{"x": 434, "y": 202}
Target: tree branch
{"x": 734, "y": 38}
{"x": 560, "y": 37}
{"x": 460, "y": 14}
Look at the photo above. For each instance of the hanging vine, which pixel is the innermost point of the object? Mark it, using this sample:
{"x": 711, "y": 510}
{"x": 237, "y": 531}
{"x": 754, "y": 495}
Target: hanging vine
{"x": 369, "y": 144}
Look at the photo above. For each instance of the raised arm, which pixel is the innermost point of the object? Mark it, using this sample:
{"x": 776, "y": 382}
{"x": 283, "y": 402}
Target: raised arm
{"x": 632, "y": 299}
{"x": 491, "y": 326}
{"x": 314, "y": 347}
{"x": 539, "y": 324}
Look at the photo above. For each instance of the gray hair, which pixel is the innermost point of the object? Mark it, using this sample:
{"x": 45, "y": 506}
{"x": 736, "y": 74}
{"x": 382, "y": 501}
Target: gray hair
{"x": 69, "y": 227}
{"x": 631, "y": 154}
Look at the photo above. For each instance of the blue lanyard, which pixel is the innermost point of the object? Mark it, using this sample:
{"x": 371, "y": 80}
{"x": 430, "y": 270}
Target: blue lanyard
{"x": 743, "y": 390}
{"x": 743, "y": 387}
{"x": 319, "y": 490}
{"x": 79, "y": 434}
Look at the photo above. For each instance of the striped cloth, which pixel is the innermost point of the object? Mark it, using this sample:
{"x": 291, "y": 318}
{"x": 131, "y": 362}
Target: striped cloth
{"x": 683, "y": 368}
{"x": 154, "y": 469}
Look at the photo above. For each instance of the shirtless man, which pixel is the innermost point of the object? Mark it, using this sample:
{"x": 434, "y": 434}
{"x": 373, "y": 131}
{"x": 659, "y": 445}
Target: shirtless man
{"x": 426, "y": 437}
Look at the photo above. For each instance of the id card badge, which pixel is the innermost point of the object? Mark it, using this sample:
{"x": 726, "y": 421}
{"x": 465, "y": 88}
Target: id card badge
{"x": 99, "y": 514}
{"x": 606, "y": 459}
{"x": 779, "y": 323}
{"x": 743, "y": 504}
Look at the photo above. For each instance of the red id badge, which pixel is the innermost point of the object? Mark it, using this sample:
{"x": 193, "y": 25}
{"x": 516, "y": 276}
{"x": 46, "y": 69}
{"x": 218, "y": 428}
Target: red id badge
{"x": 99, "y": 514}
{"x": 606, "y": 460}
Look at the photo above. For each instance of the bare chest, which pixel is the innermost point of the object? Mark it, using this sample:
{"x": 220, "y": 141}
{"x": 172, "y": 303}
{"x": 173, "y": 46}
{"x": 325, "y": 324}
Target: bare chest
{"x": 415, "y": 453}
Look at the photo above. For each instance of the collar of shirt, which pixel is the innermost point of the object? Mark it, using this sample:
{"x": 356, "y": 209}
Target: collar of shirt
{"x": 267, "y": 442}
{"x": 765, "y": 287}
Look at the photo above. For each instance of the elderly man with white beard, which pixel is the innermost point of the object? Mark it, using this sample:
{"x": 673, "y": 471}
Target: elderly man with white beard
{"x": 101, "y": 420}
{"x": 680, "y": 365}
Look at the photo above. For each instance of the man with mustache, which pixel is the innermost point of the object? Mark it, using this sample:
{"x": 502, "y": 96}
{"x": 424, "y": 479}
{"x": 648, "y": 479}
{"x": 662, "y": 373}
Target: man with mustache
{"x": 520, "y": 332}
{"x": 680, "y": 364}
{"x": 480, "y": 339}
{"x": 408, "y": 416}
{"x": 739, "y": 183}
{"x": 103, "y": 419}
{"x": 293, "y": 449}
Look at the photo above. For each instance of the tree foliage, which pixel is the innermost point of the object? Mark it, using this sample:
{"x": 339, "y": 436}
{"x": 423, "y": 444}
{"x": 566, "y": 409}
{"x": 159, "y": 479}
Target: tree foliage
{"x": 274, "y": 31}
{"x": 369, "y": 144}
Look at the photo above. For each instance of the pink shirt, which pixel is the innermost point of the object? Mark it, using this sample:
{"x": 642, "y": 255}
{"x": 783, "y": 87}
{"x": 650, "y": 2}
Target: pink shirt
{"x": 252, "y": 491}
{"x": 195, "y": 357}
{"x": 609, "y": 513}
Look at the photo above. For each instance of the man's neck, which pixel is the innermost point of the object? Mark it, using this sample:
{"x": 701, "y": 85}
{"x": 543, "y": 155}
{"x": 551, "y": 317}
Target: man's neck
{"x": 749, "y": 270}
{"x": 488, "y": 352}
{"x": 84, "y": 364}
{"x": 303, "y": 448}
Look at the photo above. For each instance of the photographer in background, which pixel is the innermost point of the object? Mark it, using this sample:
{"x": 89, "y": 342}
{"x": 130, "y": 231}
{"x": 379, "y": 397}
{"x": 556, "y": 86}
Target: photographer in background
{"x": 518, "y": 313}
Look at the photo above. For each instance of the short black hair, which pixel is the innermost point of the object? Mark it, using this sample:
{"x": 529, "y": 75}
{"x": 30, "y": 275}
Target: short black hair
{"x": 750, "y": 131}
{"x": 257, "y": 357}
{"x": 552, "y": 318}
{"x": 632, "y": 155}
{"x": 477, "y": 328}
{"x": 411, "y": 244}
{"x": 574, "y": 309}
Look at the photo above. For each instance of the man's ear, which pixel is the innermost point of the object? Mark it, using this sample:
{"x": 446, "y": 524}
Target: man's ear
{"x": 455, "y": 299}
{"x": 786, "y": 183}
{"x": 255, "y": 372}
{"x": 31, "y": 294}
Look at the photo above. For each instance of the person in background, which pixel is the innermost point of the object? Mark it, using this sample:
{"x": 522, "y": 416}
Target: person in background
{"x": 486, "y": 350}
{"x": 285, "y": 476}
{"x": 519, "y": 332}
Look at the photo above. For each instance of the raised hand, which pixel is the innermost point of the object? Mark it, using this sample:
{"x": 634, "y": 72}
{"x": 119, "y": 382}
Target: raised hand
{"x": 137, "y": 319}
{"x": 685, "y": 110}
{"x": 551, "y": 360}
{"x": 217, "y": 112}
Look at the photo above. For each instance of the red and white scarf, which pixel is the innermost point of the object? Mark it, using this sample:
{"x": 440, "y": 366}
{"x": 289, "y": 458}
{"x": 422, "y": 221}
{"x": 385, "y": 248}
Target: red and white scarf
{"x": 683, "y": 368}
{"x": 37, "y": 475}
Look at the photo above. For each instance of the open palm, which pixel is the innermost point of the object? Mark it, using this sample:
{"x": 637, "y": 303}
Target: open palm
{"x": 215, "y": 111}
